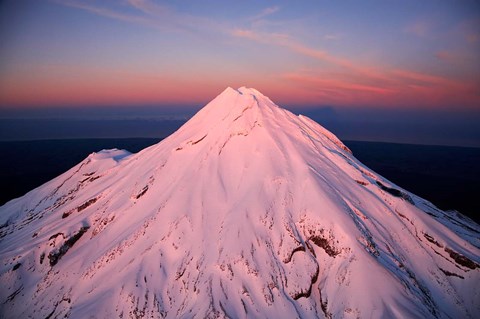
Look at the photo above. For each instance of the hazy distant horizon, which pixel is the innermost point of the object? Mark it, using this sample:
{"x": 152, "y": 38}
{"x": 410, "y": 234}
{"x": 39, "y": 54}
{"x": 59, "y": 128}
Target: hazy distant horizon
{"x": 449, "y": 128}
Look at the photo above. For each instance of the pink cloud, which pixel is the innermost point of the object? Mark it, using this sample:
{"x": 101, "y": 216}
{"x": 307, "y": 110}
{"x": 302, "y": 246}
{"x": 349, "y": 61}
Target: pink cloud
{"x": 247, "y": 34}
{"x": 447, "y": 56}
{"x": 336, "y": 83}
{"x": 399, "y": 88}
{"x": 424, "y": 79}
{"x": 262, "y": 37}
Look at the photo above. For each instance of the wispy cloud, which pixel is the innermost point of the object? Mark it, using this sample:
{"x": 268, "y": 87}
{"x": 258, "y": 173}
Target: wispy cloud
{"x": 261, "y": 37}
{"x": 150, "y": 8}
{"x": 286, "y": 41}
{"x": 332, "y": 37}
{"x": 266, "y": 12}
{"x": 426, "y": 80}
{"x": 150, "y": 14}
{"x": 163, "y": 17}
{"x": 247, "y": 34}
{"x": 106, "y": 12}
{"x": 398, "y": 87}
{"x": 330, "y": 83}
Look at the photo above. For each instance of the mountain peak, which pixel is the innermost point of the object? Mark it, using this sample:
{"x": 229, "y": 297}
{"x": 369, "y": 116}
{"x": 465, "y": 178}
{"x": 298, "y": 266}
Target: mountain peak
{"x": 251, "y": 91}
{"x": 239, "y": 112}
{"x": 242, "y": 96}
{"x": 246, "y": 211}
{"x": 233, "y": 112}
{"x": 244, "y": 90}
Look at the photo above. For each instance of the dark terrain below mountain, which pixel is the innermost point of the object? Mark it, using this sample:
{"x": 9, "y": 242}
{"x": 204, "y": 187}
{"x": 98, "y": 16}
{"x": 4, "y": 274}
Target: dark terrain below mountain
{"x": 447, "y": 176}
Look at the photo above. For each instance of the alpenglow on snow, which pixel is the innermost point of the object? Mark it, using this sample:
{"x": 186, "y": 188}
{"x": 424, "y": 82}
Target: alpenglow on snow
{"x": 247, "y": 211}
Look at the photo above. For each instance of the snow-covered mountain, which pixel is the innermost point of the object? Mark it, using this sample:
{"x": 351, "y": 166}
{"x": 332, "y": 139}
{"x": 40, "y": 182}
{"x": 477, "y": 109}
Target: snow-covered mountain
{"x": 247, "y": 211}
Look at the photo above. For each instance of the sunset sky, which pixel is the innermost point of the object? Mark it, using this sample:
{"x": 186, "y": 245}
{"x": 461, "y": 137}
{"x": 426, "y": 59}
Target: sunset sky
{"x": 386, "y": 55}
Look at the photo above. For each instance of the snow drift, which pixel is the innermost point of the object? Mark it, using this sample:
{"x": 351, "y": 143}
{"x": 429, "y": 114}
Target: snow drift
{"x": 247, "y": 211}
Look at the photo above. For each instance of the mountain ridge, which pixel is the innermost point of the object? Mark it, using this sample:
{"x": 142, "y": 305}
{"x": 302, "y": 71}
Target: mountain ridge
{"x": 246, "y": 211}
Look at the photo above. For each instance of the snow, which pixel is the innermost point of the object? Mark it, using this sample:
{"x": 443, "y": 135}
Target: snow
{"x": 246, "y": 211}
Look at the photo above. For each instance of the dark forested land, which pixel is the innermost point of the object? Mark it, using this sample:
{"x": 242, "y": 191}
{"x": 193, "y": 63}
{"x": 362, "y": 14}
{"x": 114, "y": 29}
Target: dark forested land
{"x": 447, "y": 176}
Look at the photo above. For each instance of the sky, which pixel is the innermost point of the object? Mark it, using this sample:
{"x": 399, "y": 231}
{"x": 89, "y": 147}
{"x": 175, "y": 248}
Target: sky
{"x": 391, "y": 59}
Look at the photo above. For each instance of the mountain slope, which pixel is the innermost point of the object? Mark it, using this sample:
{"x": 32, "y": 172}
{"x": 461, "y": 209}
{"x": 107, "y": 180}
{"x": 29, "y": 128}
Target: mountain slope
{"x": 246, "y": 211}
